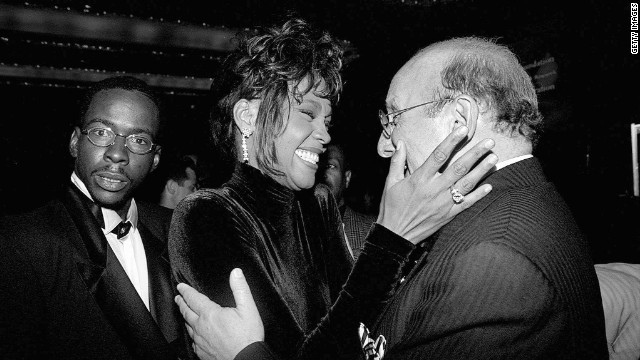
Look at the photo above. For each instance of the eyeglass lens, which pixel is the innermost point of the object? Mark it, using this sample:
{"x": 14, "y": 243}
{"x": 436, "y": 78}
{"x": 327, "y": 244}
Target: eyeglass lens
{"x": 137, "y": 144}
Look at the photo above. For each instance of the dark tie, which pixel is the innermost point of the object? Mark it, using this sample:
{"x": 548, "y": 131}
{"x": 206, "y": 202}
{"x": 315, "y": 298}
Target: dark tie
{"x": 122, "y": 229}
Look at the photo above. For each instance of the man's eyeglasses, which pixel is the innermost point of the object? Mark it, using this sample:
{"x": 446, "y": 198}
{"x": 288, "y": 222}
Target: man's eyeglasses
{"x": 103, "y": 137}
{"x": 389, "y": 121}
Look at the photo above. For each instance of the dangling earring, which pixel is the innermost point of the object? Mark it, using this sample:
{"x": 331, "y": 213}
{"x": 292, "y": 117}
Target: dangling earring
{"x": 246, "y": 132}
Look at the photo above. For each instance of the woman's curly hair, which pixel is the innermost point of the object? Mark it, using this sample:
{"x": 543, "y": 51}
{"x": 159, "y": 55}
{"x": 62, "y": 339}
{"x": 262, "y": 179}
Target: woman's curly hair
{"x": 269, "y": 66}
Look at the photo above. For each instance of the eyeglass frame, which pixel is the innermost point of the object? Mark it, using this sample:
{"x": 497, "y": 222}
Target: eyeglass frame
{"x": 388, "y": 121}
{"x": 86, "y": 133}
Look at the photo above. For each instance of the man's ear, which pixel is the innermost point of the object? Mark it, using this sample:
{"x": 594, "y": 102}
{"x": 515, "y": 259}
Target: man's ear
{"x": 245, "y": 113}
{"x": 171, "y": 186}
{"x": 73, "y": 142}
{"x": 156, "y": 158}
{"x": 466, "y": 113}
{"x": 347, "y": 178}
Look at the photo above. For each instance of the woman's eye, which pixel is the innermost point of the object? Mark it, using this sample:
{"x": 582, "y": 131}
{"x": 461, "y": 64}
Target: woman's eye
{"x": 308, "y": 113}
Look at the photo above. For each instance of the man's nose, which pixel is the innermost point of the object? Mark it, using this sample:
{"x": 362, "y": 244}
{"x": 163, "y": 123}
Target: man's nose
{"x": 117, "y": 152}
{"x": 385, "y": 147}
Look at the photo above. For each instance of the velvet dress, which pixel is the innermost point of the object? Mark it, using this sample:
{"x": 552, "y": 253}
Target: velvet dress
{"x": 290, "y": 247}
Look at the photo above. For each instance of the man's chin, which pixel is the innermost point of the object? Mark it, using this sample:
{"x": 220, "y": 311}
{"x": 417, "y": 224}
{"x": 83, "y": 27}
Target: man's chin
{"x": 112, "y": 201}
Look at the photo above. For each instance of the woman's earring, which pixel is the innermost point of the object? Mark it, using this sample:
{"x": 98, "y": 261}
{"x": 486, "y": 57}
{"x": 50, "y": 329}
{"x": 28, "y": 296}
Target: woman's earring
{"x": 246, "y": 132}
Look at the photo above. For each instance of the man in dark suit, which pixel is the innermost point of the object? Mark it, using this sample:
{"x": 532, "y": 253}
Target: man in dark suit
{"x": 86, "y": 276}
{"x": 336, "y": 173}
{"x": 511, "y": 277}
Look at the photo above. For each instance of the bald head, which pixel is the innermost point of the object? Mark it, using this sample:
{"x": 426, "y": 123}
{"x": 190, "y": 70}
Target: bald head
{"x": 470, "y": 82}
{"x": 488, "y": 72}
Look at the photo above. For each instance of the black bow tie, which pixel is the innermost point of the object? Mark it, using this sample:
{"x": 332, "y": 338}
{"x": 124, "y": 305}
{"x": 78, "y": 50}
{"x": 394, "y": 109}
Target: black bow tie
{"x": 122, "y": 229}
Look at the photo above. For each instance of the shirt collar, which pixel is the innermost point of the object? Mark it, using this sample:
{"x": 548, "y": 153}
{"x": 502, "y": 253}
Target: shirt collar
{"x": 514, "y": 160}
{"x": 111, "y": 218}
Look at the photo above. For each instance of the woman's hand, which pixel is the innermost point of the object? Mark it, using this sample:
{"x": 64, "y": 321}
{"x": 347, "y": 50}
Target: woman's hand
{"x": 417, "y": 205}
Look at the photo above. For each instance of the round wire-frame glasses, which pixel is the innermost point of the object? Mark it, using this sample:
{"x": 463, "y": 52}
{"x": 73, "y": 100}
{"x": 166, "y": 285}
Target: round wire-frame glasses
{"x": 388, "y": 121}
{"x": 105, "y": 137}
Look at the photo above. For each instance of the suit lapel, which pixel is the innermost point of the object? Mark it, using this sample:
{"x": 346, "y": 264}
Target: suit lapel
{"x": 110, "y": 285}
{"x": 161, "y": 293}
{"x": 89, "y": 242}
{"x": 122, "y": 305}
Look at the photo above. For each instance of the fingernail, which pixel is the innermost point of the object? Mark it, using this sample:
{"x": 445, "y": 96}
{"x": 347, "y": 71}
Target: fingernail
{"x": 489, "y": 144}
{"x": 461, "y": 130}
{"x": 492, "y": 159}
{"x": 237, "y": 273}
{"x": 487, "y": 189}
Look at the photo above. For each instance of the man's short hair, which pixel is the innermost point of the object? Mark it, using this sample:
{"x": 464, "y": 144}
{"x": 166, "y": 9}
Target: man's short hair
{"x": 492, "y": 74}
{"x": 129, "y": 83}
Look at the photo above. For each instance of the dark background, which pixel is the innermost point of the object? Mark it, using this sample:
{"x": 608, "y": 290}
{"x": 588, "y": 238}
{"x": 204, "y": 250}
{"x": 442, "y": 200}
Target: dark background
{"x": 585, "y": 149}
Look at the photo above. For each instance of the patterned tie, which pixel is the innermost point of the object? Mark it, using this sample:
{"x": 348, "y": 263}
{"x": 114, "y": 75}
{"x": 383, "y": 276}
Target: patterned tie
{"x": 122, "y": 229}
{"x": 373, "y": 350}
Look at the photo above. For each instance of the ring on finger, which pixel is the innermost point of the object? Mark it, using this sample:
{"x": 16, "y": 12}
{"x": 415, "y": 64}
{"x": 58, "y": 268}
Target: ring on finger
{"x": 456, "y": 195}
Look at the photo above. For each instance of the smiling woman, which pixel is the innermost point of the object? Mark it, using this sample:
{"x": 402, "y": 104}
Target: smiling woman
{"x": 272, "y": 102}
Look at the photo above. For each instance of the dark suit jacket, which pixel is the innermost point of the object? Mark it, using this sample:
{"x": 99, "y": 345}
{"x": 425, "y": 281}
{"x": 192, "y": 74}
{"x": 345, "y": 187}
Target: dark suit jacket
{"x": 356, "y": 228}
{"x": 509, "y": 278}
{"x": 64, "y": 295}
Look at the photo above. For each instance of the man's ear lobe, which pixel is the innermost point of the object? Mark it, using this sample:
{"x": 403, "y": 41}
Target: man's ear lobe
{"x": 466, "y": 113}
{"x": 73, "y": 142}
{"x": 245, "y": 113}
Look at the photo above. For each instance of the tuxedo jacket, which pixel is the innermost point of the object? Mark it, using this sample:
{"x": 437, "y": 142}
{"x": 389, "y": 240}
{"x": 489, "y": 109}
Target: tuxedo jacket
{"x": 64, "y": 294}
{"x": 509, "y": 278}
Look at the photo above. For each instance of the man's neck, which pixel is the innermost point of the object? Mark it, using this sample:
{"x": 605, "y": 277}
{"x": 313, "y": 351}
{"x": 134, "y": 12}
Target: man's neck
{"x": 124, "y": 210}
{"x": 506, "y": 148}
{"x": 166, "y": 201}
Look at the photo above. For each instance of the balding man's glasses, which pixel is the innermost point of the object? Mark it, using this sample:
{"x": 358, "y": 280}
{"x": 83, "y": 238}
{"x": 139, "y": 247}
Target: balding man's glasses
{"x": 103, "y": 137}
{"x": 389, "y": 121}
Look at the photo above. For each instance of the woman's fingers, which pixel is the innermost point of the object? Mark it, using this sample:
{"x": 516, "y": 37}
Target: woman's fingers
{"x": 456, "y": 173}
{"x": 468, "y": 182}
{"x": 396, "y": 167}
{"x": 441, "y": 154}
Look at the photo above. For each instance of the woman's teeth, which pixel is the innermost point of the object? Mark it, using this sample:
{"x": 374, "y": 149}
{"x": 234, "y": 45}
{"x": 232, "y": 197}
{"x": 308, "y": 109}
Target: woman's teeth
{"x": 308, "y": 156}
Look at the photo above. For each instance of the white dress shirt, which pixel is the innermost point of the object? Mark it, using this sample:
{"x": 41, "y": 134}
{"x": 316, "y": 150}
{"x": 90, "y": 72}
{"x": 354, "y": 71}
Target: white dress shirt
{"x": 514, "y": 160}
{"x": 129, "y": 250}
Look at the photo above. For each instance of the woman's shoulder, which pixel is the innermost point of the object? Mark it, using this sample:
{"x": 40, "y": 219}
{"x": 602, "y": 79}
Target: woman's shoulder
{"x": 207, "y": 201}
{"x": 209, "y": 213}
